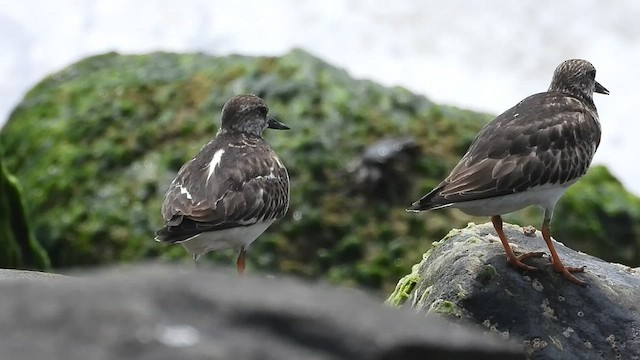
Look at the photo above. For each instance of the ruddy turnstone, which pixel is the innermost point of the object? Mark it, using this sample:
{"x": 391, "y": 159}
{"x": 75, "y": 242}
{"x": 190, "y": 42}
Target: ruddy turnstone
{"x": 233, "y": 190}
{"x": 528, "y": 155}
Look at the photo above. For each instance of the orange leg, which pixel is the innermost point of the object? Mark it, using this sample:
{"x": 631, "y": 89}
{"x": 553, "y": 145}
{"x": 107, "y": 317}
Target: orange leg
{"x": 558, "y": 266}
{"x": 511, "y": 257}
{"x": 240, "y": 262}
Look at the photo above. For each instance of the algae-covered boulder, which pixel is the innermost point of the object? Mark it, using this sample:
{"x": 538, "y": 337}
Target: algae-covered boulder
{"x": 465, "y": 277}
{"x": 20, "y": 248}
{"x": 96, "y": 145}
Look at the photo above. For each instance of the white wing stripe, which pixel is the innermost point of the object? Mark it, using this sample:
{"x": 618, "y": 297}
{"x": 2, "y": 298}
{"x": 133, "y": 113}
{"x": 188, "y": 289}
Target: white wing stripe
{"x": 215, "y": 161}
{"x": 184, "y": 191}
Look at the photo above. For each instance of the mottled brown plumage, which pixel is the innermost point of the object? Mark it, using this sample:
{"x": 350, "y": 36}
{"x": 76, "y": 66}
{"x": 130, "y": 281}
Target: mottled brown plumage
{"x": 528, "y": 155}
{"x": 232, "y": 190}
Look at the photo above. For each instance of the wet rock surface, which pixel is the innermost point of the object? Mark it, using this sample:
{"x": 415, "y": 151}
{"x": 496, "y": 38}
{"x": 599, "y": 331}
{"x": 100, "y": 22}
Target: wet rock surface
{"x": 168, "y": 312}
{"x": 465, "y": 277}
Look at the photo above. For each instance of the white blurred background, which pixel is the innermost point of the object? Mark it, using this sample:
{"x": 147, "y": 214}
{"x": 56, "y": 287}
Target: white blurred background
{"x": 481, "y": 55}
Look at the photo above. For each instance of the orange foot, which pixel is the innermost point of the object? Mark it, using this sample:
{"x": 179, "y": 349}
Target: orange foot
{"x": 567, "y": 271}
{"x": 517, "y": 261}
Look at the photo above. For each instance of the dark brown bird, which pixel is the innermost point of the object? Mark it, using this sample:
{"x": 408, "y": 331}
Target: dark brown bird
{"x": 528, "y": 155}
{"x": 233, "y": 190}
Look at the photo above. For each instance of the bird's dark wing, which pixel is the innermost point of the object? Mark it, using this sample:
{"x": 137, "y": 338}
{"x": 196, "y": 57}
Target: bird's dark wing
{"x": 548, "y": 138}
{"x": 248, "y": 184}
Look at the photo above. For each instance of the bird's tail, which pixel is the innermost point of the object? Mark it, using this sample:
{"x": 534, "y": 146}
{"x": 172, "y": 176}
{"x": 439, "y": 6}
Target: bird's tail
{"x": 431, "y": 201}
{"x": 163, "y": 235}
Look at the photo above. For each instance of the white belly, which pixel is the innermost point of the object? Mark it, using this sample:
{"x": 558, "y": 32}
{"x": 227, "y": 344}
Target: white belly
{"x": 232, "y": 238}
{"x": 545, "y": 197}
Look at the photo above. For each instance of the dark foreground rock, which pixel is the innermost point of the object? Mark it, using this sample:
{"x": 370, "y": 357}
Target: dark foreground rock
{"x": 162, "y": 312}
{"x": 10, "y": 275}
{"x": 465, "y": 276}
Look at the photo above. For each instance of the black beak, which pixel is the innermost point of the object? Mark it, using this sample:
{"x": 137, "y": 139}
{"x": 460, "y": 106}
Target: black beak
{"x": 601, "y": 89}
{"x": 275, "y": 124}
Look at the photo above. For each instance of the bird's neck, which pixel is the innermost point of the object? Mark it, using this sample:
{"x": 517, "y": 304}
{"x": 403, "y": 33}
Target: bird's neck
{"x": 585, "y": 96}
{"x": 249, "y": 133}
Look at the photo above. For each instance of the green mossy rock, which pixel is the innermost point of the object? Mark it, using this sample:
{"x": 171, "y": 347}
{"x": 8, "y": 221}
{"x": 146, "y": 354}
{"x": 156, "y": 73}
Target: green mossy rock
{"x": 20, "y": 248}
{"x": 96, "y": 145}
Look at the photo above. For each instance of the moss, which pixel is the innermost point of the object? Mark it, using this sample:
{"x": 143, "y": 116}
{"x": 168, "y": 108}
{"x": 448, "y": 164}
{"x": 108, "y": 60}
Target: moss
{"x": 20, "y": 248}
{"x": 446, "y": 308}
{"x": 486, "y": 274}
{"x": 403, "y": 290}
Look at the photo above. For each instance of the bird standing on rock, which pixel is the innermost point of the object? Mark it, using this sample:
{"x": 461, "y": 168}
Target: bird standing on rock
{"x": 233, "y": 190}
{"x": 528, "y": 155}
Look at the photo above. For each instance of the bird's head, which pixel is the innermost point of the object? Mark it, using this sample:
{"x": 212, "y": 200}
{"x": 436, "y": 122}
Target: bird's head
{"x": 577, "y": 77}
{"x": 248, "y": 114}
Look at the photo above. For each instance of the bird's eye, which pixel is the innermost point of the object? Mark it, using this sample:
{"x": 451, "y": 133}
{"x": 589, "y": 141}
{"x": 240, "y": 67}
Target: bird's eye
{"x": 263, "y": 110}
{"x": 592, "y": 74}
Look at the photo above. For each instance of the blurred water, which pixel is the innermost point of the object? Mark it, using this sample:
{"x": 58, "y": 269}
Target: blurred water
{"x": 479, "y": 55}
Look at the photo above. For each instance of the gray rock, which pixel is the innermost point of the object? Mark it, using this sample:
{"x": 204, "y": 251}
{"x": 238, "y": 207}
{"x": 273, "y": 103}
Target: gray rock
{"x": 465, "y": 276}
{"x": 383, "y": 172}
{"x": 164, "y": 312}
{"x": 11, "y": 274}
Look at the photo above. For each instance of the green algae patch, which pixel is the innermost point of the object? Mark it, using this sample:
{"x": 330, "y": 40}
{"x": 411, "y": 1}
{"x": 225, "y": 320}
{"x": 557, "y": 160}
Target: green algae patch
{"x": 20, "y": 248}
{"x": 446, "y": 308}
{"x": 403, "y": 290}
{"x": 486, "y": 274}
